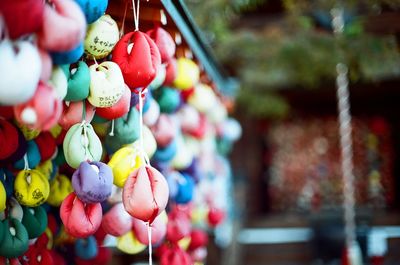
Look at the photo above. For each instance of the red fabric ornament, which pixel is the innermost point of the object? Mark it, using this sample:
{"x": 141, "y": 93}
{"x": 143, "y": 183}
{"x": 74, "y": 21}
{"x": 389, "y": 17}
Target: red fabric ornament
{"x": 145, "y": 194}
{"x": 175, "y": 256}
{"x": 15, "y": 261}
{"x": 201, "y": 129}
{"x": 47, "y": 65}
{"x": 6, "y": 112}
{"x": 64, "y": 26}
{"x": 198, "y": 238}
{"x": 138, "y": 63}
{"x": 164, "y": 130}
{"x": 42, "y": 111}
{"x": 37, "y": 256}
{"x": 164, "y": 42}
{"x": 119, "y": 109}
{"x": 171, "y": 72}
{"x": 22, "y": 16}
{"x": 187, "y": 93}
{"x": 117, "y": 221}
{"x": 47, "y": 145}
{"x": 215, "y": 217}
{"x": 73, "y": 114}
{"x": 57, "y": 258}
{"x": 80, "y": 220}
{"x": 179, "y": 226}
{"x": 158, "y": 230}
{"x": 12, "y": 142}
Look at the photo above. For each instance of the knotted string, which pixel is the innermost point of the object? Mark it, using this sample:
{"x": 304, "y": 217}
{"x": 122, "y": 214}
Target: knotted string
{"x": 26, "y": 162}
{"x": 136, "y": 14}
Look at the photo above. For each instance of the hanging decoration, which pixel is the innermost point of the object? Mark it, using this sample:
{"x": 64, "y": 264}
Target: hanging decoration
{"x": 99, "y": 140}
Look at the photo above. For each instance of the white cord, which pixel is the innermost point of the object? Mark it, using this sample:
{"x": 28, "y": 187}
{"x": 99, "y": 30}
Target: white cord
{"x": 345, "y": 130}
{"x": 150, "y": 244}
{"x": 136, "y": 14}
{"x": 112, "y": 128}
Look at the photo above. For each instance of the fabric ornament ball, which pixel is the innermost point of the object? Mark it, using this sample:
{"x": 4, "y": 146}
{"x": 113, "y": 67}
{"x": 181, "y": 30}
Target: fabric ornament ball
{"x": 119, "y": 109}
{"x": 47, "y": 146}
{"x": 14, "y": 210}
{"x": 93, "y": 9}
{"x": 186, "y": 188}
{"x": 171, "y": 71}
{"x": 158, "y": 230}
{"x": 122, "y": 163}
{"x": 189, "y": 118}
{"x": 35, "y": 221}
{"x": 60, "y": 188}
{"x": 33, "y": 157}
{"x": 12, "y": 142}
{"x": 78, "y": 81}
{"x": 139, "y": 58}
{"x": 198, "y": 239}
{"x": 64, "y": 26}
{"x": 203, "y": 98}
{"x": 188, "y": 74}
{"x": 92, "y": 182}
{"x": 81, "y": 144}
{"x": 164, "y": 41}
{"x": 80, "y": 220}
{"x": 117, "y": 222}
{"x": 37, "y": 255}
{"x": 31, "y": 188}
{"x": 7, "y": 181}
{"x": 86, "y": 248}
{"x": 42, "y": 111}
{"x": 106, "y": 84}
{"x": 47, "y": 168}
{"x": 68, "y": 57}
{"x": 18, "y": 80}
{"x": 129, "y": 244}
{"x": 179, "y": 226}
{"x": 168, "y": 98}
{"x": 164, "y": 130}
{"x": 215, "y": 216}
{"x": 126, "y": 129}
{"x": 22, "y": 17}
{"x": 101, "y": 37}
{"x": 145, "y": 194}
{"x": 73, "y": 114}
{"x": 200, "y": 131}
{"x": 15, "y": 239}
{"x": 174, "y": 255}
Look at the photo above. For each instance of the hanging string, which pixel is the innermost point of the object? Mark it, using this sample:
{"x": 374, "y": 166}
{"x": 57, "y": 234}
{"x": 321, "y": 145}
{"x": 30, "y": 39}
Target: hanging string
{"x": 141, "y": 135}
{"x": 136, "y": 14}
{"x": 345, "y": 130}
{"x": 150, "y": 244}
{"x": 26, "y": 162}
{"x": 122, "y": 31}
{"x": 112, "y": 128}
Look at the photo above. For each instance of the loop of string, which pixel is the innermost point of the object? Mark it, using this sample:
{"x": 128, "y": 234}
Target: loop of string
{"x": 150, "y": 244}
{"x": 136, "y": 14}
{"x": 26, "y": 162}
{"x": 141, "y": 144}
{"x": 345, "y": 130}
{"x": 112, "y": 128}
{"x": 83, "y": 110}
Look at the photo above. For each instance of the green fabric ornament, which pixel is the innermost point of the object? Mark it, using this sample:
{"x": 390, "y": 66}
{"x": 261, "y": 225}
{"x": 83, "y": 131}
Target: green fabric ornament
{"x": 78, "y": 81}
{"x": 168, "y": 98}
{"x": 15, "y": 241}
{"x": 35, "y": 221}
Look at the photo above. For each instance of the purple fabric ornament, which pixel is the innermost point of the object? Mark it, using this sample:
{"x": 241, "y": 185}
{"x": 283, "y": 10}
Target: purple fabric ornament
{"x": 92, "y": 182}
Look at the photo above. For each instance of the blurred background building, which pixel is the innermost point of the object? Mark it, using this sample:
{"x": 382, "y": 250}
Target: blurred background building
{"x": 286, "y": 167}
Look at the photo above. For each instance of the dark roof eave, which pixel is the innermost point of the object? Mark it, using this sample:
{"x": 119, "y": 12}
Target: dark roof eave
{"x": 193, "y": 36}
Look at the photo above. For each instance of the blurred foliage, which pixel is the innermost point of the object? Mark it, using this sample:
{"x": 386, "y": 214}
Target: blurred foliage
{"x": 293, "y": 52}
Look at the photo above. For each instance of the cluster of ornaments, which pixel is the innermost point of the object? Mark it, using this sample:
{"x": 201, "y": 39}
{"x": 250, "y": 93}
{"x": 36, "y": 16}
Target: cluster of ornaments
{"x": 74, "y": 163}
